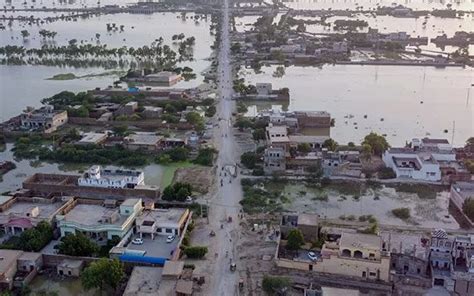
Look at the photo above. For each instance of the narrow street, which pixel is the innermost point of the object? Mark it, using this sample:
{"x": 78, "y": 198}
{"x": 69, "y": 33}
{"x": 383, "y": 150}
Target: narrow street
{"x": 225, "y": 204}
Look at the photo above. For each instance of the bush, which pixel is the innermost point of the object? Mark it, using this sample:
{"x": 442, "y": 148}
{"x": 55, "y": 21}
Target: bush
{"x": 249, "y": 159}
{"x": 210, "y": 111}
{"x": 205, "y": 156}
{"x": 295, "y": 240}
{"x": 31, "y": 240}
{"x": 77, "y": 245}
{"x": 272, "y": 285}
{"x": 401, "y": 213}
{"x": 195, "y": 252}
{"x": 178, "y": 191}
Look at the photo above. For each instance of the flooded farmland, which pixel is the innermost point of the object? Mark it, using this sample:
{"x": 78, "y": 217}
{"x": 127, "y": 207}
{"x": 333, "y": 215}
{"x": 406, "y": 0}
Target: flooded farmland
{"x": 400, "y": 102}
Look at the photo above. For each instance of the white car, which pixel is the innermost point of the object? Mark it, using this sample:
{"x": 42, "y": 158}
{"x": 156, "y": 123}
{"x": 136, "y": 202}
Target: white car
{"x": 312, "y": 256}
{"x": 170, "y": 238}
{"x": 137, "y": 241}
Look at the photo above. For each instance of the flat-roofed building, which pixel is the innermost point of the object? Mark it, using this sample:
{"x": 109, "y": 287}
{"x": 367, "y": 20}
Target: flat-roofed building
{"x": 70, "y": 267}
{"x": 44, "y": 118}
{"x": 143, "y": 141}
{"x": 151, "y": 112}
{"x": 92, "y": 138}
{"x": 162, "y": 222}
{"x": 111, "y": 178}
{"x": 144, "y": 281}
{"x": 99, "y": 220}
{"x": 18, "y": 214}
{"x": 8, "y": 267}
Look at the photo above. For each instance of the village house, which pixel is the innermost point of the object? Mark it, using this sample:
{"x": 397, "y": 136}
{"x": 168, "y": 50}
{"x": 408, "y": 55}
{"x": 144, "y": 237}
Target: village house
{"x": 44, "y": 118}
{"x": 151, "y": 112}
{"x": 108, "y": 178}
{"x": 424, "y": 160}
{"x": 161, "y": 222}
{"x": 274, "y": 160}
{"x": 92, "y": 138}
{"x": 277, "y": 136}
{"x": 308, "y": 224}
{"x": 440, "y": 259}
{"x": 142, "y": 141}
{"x": 18, "y": 214}
{"x": 18, "y": 268}
{"x": 70, "y": 267}
{"x": 100, "y": 220}
{"x": 353, "y": 255}
{"x": 128, "y": 109}
{"x": 163, "y": 78}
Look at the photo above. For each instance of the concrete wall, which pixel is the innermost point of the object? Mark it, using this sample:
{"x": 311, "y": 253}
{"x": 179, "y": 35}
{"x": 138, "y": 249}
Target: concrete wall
{"x": 343, "y": 267}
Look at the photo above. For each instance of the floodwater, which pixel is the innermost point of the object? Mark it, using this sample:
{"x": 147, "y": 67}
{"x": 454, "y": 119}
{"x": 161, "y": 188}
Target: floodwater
{"x": 466, "y": 5}
{"x": 413, "y": 26}
{"x": 147, "y": 28}
{"x": 69, "y": 286}
{"x": 13, "y": 179}
{"x": 401, "y": 102}
{"x": 376, "y": 202}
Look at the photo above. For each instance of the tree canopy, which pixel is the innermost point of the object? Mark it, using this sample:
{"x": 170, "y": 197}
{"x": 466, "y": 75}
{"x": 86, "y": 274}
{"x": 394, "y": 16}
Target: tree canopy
{"x": 77, "y": 245}
{"x": 295, "y": 240}
{"x": 378, "y": 144}
{"x": 102, "y": 273}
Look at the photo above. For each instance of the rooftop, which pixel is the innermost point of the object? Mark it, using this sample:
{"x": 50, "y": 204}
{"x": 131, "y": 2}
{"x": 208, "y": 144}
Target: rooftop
{"x": 308, "y": 219}
{"x": 162, "y": 216}
{"x": 94, "y": 214}
{"x": 173, "y": 268}
{"x": 143, "y": 138}
{"x": 25, "y": 208}
{"x": 7, "y": 259}
{"x": 359, "y": 240}
{"x": 92, "y": 137}
{"x": 144, "y": 281}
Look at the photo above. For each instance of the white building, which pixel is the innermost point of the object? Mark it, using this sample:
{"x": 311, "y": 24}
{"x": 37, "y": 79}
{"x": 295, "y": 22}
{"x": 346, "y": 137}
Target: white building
{"x": 409, "y": 164}
{"x": 421, "y": 161}
{"x": 162, "y": 222}
{"x": 106, "y": 178}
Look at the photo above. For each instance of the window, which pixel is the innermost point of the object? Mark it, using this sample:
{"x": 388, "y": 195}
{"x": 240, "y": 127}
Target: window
{"x": 364, "y": 274}
{"x": 372, "y": 274}
{"x": 169, "y": 230}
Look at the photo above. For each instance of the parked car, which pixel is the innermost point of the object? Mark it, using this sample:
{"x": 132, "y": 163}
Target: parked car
{"x": 170, "y": 238}
{"x": 313, "y": 256}
{"x": 137, "y": 241}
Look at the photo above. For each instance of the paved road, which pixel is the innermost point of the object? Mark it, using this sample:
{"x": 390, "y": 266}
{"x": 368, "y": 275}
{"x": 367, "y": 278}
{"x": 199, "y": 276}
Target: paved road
{"x": 226, "y": 201}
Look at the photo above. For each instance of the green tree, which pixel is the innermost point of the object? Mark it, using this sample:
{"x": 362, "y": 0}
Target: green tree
{"x": 102, "y": 273}
{"x": 274, "y": 285}
{"x": 295, "y": 240}
{"x": 195, "y": 252}
{"x": 304, "y": 147}
{"x": 77, "y": 245}
{"x": 249, "y": 159}
{"x": 330, "y": 144}
{"x": 377, "y": 143}
{"x": 120, "y": 131}
{"x": 205, "y": 156}
{"x": 258, "y": 134}
{"x": 194, "y": 118}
